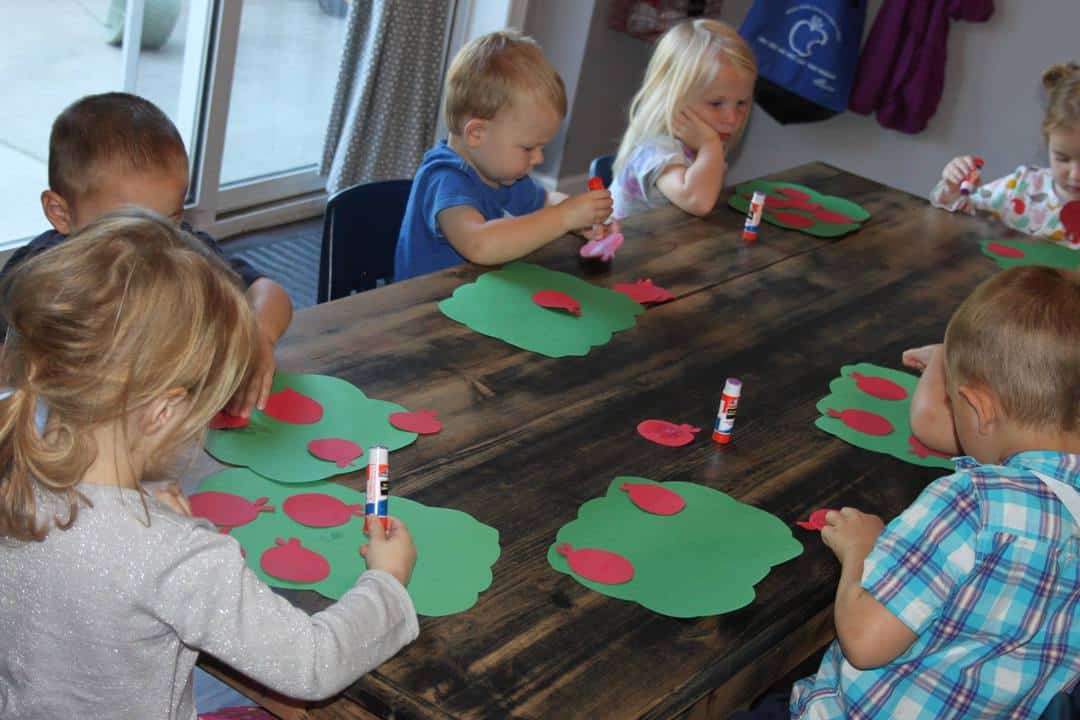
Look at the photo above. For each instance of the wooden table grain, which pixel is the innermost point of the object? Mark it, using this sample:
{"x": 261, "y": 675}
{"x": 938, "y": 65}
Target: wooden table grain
{"x": 528, "y": 439}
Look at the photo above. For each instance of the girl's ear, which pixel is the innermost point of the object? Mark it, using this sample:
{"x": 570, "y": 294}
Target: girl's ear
{"x": 163, "y": 411}
{"x": 475, "y": 131}
{"x": 57, "y": 211}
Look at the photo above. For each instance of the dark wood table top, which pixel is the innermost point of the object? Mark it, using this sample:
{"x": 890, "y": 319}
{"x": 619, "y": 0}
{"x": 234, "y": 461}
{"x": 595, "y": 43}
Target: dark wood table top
{"x": 527, "y": 439}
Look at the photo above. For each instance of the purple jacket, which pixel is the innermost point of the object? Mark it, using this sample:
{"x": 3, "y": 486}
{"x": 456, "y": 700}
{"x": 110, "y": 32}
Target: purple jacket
{"x": 901, "y": 71}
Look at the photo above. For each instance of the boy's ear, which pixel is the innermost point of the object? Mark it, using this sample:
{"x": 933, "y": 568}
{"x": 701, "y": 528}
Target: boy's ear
{"x": 57, "y": 211}
{"x": 161, "y": 411}
{"x": 474, "y": 131}
{"x": 984, "y": 403}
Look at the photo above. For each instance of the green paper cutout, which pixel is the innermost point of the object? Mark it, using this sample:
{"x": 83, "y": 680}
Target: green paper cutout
{"x": 704, "y": 560}
{"x": 1035, "y": 253}
{"x": 499, "y": 304}
{"x": 279, "y": 451}
{"x": 455, "y": 551}
{"x": 845, "y": 394}
{"x": 740, "y": 201}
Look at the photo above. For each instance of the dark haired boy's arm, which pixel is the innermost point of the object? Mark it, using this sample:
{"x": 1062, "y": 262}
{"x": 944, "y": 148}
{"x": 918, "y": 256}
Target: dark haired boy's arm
{"x": 870, "y": 636}
{"x": 273, "y": 313}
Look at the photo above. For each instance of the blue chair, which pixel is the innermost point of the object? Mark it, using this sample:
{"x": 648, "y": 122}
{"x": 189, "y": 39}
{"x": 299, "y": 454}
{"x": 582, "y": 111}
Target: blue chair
{"x": 360, "y": 232}
{"x": 601, "y": 167}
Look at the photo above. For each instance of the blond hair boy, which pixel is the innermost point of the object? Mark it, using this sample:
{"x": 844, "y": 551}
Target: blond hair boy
{"x": 472, "y": 198}
{"x": 965, "y": 605}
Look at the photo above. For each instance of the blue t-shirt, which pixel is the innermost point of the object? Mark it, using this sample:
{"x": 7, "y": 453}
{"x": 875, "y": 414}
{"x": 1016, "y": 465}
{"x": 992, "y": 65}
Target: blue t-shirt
{"x": 444, "y": 180}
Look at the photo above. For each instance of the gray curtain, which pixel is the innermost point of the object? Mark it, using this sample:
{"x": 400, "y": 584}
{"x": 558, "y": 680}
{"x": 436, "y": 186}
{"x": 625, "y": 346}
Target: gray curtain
{"x": 387, "y": 96}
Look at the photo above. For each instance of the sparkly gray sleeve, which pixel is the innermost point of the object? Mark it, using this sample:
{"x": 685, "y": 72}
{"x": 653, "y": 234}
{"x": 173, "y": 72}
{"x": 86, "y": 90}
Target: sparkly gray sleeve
{"x": 216, "y": 604}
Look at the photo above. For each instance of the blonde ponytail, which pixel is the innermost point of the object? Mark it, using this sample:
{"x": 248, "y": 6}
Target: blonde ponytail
{"x": 123, "y": 311}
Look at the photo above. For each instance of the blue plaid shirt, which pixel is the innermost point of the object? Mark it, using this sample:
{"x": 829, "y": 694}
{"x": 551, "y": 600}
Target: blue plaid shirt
{"x": 983, "y": 568}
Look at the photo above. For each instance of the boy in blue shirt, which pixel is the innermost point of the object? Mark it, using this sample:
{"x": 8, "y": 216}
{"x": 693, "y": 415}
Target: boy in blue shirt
{"x": 472, "y": 198}
{"x": 115, "y": 149}
{"x": 966, "y": 605}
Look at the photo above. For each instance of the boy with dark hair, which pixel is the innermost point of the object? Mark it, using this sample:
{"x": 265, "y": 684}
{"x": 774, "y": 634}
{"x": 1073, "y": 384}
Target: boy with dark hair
{"x": 111, "y": 150}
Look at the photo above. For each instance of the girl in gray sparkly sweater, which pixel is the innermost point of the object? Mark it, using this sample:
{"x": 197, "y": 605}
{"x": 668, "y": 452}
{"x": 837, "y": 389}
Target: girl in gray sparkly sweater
{"x": 133, "y": 338}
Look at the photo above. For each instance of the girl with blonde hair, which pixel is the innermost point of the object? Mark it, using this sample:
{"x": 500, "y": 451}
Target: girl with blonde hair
{"x": 1030, "y": 198}
{"x": 691, "y": 109}
{"x": 130, "y": 337}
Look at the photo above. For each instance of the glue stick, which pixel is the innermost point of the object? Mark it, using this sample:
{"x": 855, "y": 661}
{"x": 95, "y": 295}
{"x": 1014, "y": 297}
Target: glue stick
{"x": 972, "y": 178}
{"x": 378, "y": 485}
{"x": 753, "y": 218}
{"x": 725, "y": 417}
{"x": 596, "y": 183}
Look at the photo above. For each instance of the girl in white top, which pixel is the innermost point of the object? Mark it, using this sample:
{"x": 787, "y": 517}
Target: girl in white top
{"x": 134, "y": 337}
{"x": 691, "y": 109}
{"x": 1030, "y": 198}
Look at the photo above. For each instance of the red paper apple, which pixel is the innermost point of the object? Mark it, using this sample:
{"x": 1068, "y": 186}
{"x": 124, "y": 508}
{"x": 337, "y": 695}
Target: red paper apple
{"x": 772, "y": 202}
{"x": 225, "y": 509}
{"x": 879, "y": 387}
{"x": 1070, "y": 218}
{"x": 667, "y": 433}
{"x": 863, "y": 421}
{"x": 1005, "y": 250}
{"x": 292, "y": 407}
{"x": 422, "y": 422}
{"x": 794, "y": 194}
{"x": 643, "y": 291}
{"x": 555, "y": 300}
{"x": 602, "y": 566}
{"x": 336, "y": 450}
{"x": 831, "y": 216}
{"x": 816, "y": 521}
{"x": 293, "y": 562}
{"x": 654, "y": 498}
{"x": 320, "y": 510}
{"x": 793, "y": 219}
{"x": 225, "y": 421}
{"x": 920, "y": 450}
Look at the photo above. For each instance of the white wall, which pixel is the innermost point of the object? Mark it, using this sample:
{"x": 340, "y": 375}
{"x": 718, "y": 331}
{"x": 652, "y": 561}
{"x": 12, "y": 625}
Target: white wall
{"x": 991, "y": 105}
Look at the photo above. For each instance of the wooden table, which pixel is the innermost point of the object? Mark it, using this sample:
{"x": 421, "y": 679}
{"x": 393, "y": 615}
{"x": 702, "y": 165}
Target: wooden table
{"x": 528, "y": 439}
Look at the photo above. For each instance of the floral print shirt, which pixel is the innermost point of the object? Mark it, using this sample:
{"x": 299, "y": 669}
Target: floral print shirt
{"x": 1024, "y": 200}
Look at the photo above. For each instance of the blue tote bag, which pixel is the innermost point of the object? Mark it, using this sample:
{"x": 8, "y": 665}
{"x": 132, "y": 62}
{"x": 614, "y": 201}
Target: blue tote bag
{"x": 807, "y": 53}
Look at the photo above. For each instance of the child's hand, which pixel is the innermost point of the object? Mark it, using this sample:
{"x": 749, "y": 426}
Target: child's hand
{"x": 918, "y": 358}
{"x": 851, "y": 534}
{"x": 692, "y": 129}
{"x": 392, "y": 550}
{"x": 605, "y": 230}
{"x": 957, "y": 169}
{"x": 255, "y": 390}
{"x": 586, "y": 210}
{"x": 171, "y": 495}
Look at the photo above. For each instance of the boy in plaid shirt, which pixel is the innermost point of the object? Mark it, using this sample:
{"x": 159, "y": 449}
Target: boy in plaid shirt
{"x": 968, "y": 604}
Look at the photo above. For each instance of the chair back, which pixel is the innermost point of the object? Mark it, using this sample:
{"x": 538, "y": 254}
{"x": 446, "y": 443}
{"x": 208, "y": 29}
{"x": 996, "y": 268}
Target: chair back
{"x": 601, "y": 167}
{"x": 360, "y": 232}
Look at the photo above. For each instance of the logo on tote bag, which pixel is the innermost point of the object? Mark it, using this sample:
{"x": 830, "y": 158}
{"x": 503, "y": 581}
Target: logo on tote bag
{"x": 809, "y": 33}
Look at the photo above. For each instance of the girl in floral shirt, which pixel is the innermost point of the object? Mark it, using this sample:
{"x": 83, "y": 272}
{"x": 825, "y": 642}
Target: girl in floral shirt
{"x": 1030, "y": 199}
